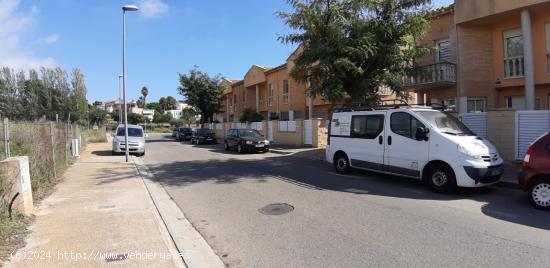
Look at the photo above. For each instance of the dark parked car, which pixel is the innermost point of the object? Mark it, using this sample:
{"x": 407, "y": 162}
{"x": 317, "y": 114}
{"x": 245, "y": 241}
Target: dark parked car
{"x": 245, "y": 140}
{"x": 184, "y": 134}
{"x": 203, "y": 135}
{"x": 534, "y": 176}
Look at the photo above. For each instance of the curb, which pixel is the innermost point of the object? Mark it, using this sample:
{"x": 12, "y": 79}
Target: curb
{"x": 194, "y": 250}
{"x": 275, "y": 151}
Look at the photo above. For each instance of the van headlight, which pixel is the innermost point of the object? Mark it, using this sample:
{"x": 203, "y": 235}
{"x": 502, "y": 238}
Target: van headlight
{"x": 266, "y": 142}
{"x": 468, "y": 152}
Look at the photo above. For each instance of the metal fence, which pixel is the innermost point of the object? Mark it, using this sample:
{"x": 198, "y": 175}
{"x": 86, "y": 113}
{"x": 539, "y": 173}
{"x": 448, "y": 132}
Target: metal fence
{"x": 47, "y": 144}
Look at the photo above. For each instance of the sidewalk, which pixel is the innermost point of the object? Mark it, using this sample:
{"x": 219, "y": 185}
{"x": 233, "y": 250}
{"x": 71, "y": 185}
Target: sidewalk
{"x": 100, "y": 215}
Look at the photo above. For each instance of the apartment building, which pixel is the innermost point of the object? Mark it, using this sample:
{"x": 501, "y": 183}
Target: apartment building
{"x": 489, "y": 54}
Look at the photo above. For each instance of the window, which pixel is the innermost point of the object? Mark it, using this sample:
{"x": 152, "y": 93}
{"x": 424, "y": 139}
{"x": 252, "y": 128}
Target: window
{"x": 450, "y": 104}
{"x": 366, "y": 126}
{"x": 444, "y": 51}
{"x": 513, "y": 53}
{"x": 404, "y": 124}
{"x": 270, "y": 95}
{"x": 476, "y": 104}
{"x": 516, "y": 102}
{"x": 285, "y": 91}
{"x": 284, "y": 116}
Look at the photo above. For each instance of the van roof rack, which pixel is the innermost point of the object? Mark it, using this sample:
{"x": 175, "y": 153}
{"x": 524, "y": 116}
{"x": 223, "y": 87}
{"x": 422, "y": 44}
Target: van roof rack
{"x": 397, "y": 103}
{"x": 354, "y": 107}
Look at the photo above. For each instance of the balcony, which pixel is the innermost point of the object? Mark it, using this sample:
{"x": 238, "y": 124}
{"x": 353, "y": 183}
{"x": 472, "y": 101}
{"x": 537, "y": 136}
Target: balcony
{"x": 513, "y": 67}
{"x": 433, "y": 75}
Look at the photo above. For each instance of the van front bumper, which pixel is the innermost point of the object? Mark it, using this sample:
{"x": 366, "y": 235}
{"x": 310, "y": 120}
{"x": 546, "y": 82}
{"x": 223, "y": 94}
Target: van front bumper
{"x": 479, "y": 176}
{"x": 132, "y": 149}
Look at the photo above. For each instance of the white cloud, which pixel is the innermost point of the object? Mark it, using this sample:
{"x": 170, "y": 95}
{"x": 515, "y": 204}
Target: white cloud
{"x": 13, "y": 26}
{"x": 152, "y": 8}
{"x": 49, "y": 39}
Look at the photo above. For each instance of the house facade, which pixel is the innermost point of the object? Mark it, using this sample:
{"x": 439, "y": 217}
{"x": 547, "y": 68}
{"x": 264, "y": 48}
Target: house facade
{"x": 488, "y": 54}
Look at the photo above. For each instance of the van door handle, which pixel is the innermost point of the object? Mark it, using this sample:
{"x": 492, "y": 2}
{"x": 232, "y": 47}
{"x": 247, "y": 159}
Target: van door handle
{"x": 389, "y": 140}
{"x": 380, "y": 140}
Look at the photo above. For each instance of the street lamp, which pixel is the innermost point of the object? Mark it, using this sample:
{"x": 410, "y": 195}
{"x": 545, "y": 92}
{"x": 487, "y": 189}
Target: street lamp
{"x": 119, "y": 98}
{"x": 124, "y": 9}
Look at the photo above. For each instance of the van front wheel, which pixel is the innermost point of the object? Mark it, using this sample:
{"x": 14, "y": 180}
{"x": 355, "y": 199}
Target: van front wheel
{"x": 341, "y": 164}
{"x": 441, "y": 179}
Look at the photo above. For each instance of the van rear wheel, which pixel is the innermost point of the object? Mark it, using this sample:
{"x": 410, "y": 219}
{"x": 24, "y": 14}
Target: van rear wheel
{"x": 341, "y": 164}
{"x": 441, "y": 179}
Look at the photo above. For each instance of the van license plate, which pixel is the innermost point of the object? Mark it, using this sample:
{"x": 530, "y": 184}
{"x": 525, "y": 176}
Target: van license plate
{"x": 260, "y": 145}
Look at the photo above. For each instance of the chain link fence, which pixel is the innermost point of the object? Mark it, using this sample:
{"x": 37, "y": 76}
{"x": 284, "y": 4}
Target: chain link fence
{"x": 47, "y": 144}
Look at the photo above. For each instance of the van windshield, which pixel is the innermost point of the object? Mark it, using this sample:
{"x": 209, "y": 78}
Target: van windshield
{"x": 446, "y": 123}
{"x": 132, "y": 132}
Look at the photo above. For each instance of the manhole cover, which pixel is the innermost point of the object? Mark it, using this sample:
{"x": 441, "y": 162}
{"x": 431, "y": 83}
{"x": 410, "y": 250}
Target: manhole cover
{"x": 276, "y": 209}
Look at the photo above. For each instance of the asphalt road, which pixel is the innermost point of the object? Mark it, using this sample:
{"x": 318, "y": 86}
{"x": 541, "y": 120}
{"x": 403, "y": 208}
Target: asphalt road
{"x": 359, "y": 220}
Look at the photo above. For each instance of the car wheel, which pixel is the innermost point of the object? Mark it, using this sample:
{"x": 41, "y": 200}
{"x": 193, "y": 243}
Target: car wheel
{"x": 226, "y": 146}
{"x": 341, "y": 164}
{"x": 239, "y": 148}
{"x": 266, "y": 150}
{"x": 539, "y": 194}
{"x": 441, "y": 179}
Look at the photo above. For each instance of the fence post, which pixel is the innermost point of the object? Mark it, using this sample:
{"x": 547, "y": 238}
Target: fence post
{"x": 53, "y": 150}
{"x": 66, "y": 137}
{"x": 7, "y": 150}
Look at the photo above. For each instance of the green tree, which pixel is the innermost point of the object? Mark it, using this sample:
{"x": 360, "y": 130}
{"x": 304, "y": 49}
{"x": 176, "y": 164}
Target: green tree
{"x": 97, "y": 116}
{"x": 352, "y": 47}
{"x": 155, "y": 106}
{"x": 167, "y": 103}
{"x": 135, "y": 119}
{"x": 201, "y": 92}
{"x": 78, "y": 103}
{"x": 162, "y": 118}
{"x": 188, "y": 116}
{"x": 250, "y": 115}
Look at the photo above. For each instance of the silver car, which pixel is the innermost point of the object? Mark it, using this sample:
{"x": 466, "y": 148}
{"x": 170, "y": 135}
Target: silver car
{"x": 136, "y": 140}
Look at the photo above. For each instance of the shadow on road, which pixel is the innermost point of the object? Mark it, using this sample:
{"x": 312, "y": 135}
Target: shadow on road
{"x": 314, "y": 174}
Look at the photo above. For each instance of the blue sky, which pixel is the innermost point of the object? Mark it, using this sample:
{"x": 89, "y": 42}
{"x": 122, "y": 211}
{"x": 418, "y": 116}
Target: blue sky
{"x": 164, "y": 38}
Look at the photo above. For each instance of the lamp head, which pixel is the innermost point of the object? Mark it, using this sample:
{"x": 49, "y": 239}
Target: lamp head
{"x": 130, "y": 8}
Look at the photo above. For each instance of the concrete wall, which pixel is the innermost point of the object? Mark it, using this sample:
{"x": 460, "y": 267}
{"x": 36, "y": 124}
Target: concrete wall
{"x": 291, "y": 138}
{"x": 16, "y": 184}
{"x": 501, "y": 131}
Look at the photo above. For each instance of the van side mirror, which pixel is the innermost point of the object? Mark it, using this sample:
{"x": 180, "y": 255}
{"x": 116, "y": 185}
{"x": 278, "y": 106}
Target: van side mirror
{"x": 421, "y": 134}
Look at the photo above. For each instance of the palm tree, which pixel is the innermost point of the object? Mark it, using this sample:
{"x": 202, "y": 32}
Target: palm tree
{"x": 144, "y": 92}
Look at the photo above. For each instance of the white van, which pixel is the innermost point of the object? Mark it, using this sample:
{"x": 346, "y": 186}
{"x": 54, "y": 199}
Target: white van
{"x": 412, "y": 141}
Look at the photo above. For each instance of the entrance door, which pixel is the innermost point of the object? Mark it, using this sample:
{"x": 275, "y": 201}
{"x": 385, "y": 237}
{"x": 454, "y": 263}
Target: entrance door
{"x": 366, "y": 142}
{"x": 404, "y": 154}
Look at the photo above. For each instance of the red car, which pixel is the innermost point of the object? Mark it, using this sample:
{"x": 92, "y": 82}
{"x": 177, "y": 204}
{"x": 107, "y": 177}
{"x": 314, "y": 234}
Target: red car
{"x": 534, "y": 176}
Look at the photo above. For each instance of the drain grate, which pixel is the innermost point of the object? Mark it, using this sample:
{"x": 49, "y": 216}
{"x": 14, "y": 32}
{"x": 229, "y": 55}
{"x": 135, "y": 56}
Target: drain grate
{"x": 276, "y": 209}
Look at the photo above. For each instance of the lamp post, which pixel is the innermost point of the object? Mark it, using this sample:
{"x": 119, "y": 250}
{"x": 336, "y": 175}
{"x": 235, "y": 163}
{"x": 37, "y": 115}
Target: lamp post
{"x": 124, "y": 9}
{"x": 120, "y": 98}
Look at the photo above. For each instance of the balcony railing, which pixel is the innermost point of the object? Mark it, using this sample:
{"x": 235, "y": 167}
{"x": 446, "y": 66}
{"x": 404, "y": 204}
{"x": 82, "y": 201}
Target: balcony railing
{"x": 438, "y": 74}
{"x": 513, "y": 67}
